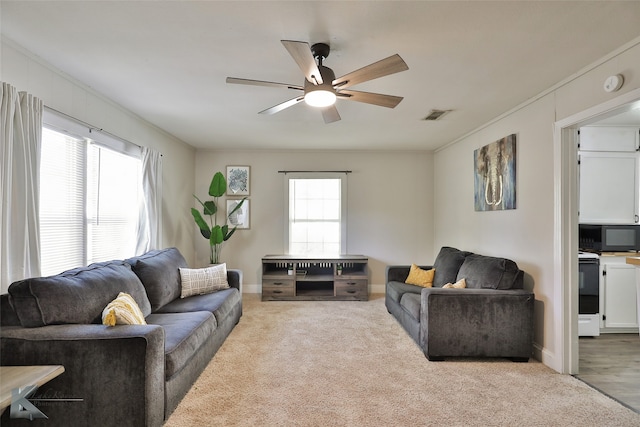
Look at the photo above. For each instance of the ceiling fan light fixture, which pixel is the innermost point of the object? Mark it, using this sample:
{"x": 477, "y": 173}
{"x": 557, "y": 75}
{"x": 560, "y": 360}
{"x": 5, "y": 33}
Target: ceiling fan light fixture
{"x": 320, "y": 97}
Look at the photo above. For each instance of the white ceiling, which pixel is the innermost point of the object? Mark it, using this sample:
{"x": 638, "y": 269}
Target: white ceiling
{"x": 167, "y": 61}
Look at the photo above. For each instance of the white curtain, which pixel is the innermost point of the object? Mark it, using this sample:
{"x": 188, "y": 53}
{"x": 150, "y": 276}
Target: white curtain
{"x": 21, "y": 137}
{"x": 150, "y": 220}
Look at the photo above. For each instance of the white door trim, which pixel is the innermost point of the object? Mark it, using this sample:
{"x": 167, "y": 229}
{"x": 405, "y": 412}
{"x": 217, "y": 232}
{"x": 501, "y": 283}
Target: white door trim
{"x": 566, "y": 220}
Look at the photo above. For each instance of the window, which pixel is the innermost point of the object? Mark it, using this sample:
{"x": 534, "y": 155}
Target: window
{"x": 89, "y": 201}
{"x": 317, "y": 213}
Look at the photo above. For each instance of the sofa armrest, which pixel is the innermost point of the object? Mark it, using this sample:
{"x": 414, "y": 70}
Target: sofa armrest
{"x": 118, "y": 372}
{"x": 234, "y": 277}
{"x": 476, "y": 322}
{"x": 399, "y": 273}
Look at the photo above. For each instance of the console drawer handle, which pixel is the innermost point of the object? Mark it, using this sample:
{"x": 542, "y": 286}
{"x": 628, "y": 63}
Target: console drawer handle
{"x": 351, "y": 291}
{"x": 277, "y": 292}
{"x": 277, "y": 283}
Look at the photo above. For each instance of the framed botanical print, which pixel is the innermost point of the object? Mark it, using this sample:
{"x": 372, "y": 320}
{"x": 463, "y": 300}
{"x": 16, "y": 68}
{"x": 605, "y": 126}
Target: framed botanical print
{"x": 240, "y": 217}
{"x": 238, "y": 180}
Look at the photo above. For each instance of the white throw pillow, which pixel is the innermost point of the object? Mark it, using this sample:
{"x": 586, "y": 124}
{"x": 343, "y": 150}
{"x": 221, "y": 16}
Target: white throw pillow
{"x": 199, "y": 281}
{"x": 123, "y": 311}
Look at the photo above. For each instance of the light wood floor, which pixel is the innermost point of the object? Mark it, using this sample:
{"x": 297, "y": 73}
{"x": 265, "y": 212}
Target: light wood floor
{"x": 611, "y": 364}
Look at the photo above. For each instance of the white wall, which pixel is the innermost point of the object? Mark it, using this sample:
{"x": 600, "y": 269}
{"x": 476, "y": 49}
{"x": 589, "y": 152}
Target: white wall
{"x": 525, "y": 234}
{"x": 389, "y": 206}
{"x": 62, "y": 93}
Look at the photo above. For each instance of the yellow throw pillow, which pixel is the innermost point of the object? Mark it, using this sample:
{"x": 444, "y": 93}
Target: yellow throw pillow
{"x": 420, "y": 277}
{"x": 460, "y": 284}
{"x": 123, "y": 311}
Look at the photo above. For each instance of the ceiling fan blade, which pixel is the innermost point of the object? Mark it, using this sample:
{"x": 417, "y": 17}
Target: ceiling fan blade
{"x": 388, "y": 101}
{"x": 330, "y": 114}
{"x": 282, "y": 106}
{"x": 236, "y": 80}
{"x": 301, "y": 53}
{"x": 391, "y": 65}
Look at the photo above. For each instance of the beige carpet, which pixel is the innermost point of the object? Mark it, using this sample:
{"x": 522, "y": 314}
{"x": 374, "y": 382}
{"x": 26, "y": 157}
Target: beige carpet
{"x": 351, "y": 364}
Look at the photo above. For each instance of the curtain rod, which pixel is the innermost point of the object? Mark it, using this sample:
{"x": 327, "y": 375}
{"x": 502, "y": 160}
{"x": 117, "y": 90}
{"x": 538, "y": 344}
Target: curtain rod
{"x": 91, "y": 127}
{"x": 286, "y": 172}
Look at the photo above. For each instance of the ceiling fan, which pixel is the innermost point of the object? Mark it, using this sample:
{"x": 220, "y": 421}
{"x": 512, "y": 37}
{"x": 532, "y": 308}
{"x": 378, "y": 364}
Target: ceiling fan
{"x": 321, "y": 88}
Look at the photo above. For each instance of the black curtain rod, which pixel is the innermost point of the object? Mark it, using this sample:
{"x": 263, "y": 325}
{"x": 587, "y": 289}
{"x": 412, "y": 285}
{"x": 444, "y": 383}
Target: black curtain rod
{"x": 286, "y": 172}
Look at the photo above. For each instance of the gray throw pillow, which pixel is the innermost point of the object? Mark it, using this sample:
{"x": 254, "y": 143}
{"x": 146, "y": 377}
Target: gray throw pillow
{"x": 159, "y": 272}
{"x": 485, "y": 272}
{"x": 447, "y": 264}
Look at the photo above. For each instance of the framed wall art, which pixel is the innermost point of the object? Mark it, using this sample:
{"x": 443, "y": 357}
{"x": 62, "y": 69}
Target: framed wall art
{"x": 239, "y": 218}
{"x": 495, "y": 175}
{"x": 238, "y": 180}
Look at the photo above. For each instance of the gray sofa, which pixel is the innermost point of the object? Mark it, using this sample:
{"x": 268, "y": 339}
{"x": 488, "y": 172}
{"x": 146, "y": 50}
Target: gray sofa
{"x": 126, "y": 375}
{"x": 491, "y": 317}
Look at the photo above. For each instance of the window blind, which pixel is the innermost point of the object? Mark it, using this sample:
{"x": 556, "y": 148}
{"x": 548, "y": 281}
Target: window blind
{"x": 316, "y": 214}
{"x": 112, "y": 204}
{"x": 89, "y": 199}
{"x": 62, "y": 179}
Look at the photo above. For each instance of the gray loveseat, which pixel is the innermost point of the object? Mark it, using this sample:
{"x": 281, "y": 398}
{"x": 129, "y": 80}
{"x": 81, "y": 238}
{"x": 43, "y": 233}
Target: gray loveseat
{"x": 126, "y": 375}
{"x": 491, "y": 317}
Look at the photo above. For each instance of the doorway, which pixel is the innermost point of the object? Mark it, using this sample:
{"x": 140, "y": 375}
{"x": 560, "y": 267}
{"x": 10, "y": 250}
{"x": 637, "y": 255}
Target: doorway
{"x": 566, "y": 208}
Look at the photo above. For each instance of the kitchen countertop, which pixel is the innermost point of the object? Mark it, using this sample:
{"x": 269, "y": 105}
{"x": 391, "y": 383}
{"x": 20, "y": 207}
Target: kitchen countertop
{"x": 633, "y": 254}
{"x": 633, "y": 260}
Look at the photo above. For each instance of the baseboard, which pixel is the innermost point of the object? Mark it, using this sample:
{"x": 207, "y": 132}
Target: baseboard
{"x": 251, "y": 289}
{"x": 546, "y": 357}
{"x": 376, "y": 289}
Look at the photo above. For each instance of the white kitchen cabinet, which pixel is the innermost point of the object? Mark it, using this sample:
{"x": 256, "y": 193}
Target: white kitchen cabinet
{"x": 607, "y": 138}
{"x": 609, "y": 187}
{"x": 618, "y": 298}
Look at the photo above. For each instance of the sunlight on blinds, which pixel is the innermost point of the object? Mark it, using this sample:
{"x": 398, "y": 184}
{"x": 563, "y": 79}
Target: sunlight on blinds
{"x": 112, "y": 204}
{"x": 61, "y": 202}
{"x": 89, "y": 203}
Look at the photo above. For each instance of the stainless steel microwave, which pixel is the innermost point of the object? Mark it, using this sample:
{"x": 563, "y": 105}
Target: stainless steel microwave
{"x": 609, "y": 238}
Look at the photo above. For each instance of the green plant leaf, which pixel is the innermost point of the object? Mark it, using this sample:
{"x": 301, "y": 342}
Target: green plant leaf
{"x": 209, "y": 208}
{"x": 218, "y": 185}
{"x": 199, "y": 201}
{"x": 201, "y": 223}
{"x": 230, "y": 233}
{"x": 216, "y": 235}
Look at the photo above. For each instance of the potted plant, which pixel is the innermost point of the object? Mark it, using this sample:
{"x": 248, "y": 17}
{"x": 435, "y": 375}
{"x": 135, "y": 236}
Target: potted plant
{"x": 214, "y": 232}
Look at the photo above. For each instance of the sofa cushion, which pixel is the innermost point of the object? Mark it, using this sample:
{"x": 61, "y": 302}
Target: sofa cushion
{"x": 485, "y": 272}
{"x": 158, "y": 271}
{"x": 418, "y": 276}
{"x": 395, "y": 290}
{"x": 75, "y": 296}
{"x": 8, "y": 316}
{"x": 219, "y": 303}
{"x": 184, "y": 334}
{"x": 447, "y": 264}
{"x": 410, "y": 302}
{"x": 200, "y": 281}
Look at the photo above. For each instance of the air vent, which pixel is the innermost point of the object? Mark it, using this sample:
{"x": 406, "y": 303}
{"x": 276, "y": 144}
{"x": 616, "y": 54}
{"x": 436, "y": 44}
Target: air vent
{"x": 436, "y": 115}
